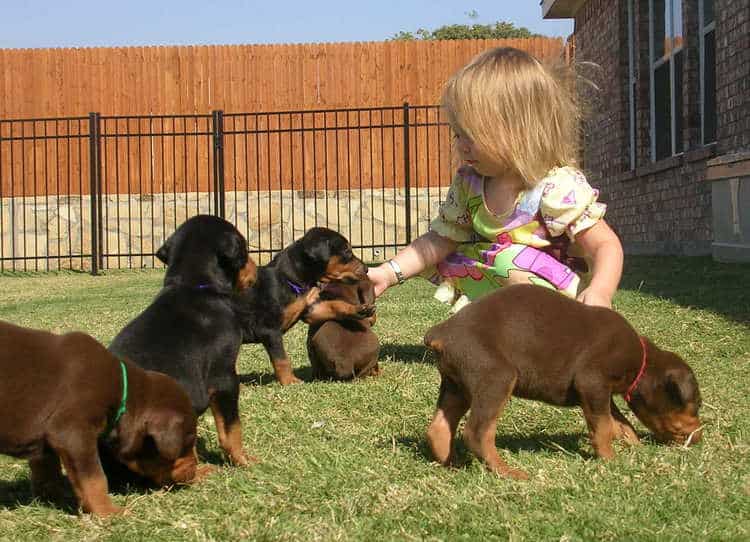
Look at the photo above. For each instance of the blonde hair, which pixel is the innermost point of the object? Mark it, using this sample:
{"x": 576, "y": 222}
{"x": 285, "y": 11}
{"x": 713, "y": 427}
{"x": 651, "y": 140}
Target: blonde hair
{"x": 522, "y": 115}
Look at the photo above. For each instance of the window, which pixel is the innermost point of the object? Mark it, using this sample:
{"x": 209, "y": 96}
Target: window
{"x": 708, "y": 71}
{"x": 631, "y": 83}
{"x": 667, "y": 58}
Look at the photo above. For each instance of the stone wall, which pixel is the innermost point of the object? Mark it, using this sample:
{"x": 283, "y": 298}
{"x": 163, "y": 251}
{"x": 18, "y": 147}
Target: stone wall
{"x": 55, "y": 233}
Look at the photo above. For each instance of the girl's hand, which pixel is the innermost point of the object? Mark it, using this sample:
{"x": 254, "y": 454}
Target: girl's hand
{"x": 605, "y": 250}
{"x": 595, "y": 298}
{"x": 382, "y": 278}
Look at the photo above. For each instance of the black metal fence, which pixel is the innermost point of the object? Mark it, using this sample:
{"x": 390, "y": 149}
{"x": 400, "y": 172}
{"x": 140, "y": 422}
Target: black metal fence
{"x": 103, "y": 192}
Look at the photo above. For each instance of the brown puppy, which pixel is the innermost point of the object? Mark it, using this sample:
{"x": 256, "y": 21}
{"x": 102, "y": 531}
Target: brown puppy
{"x": 60, "y": 395}
{"x": 286, "y": 291}
{"x": 345, "y": 349}
{"x": 534, "y": 343}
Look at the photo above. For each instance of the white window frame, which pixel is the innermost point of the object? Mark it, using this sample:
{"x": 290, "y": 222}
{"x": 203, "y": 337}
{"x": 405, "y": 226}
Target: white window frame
{"x": 631, "y": 81}
{"x": 653, "y": 66}
{"x": 705, "y": 29}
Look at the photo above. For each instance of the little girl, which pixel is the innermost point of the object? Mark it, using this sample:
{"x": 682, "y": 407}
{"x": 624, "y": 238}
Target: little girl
{"x": 517, "y": 210}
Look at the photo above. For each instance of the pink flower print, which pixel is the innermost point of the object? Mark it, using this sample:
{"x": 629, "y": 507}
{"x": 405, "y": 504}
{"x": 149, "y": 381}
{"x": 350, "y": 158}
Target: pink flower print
{"x": 549, "y": 187}
{"x": 457, "y": 265}
{"x": 503, "y": 242}
{"x": 570, "y": 199}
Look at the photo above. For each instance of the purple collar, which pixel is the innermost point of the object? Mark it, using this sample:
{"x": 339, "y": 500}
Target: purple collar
{"x": 296, "y": 288}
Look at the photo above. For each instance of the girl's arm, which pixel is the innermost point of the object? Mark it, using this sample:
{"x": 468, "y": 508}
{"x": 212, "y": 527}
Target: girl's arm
{"x": 602, "y": 245}
{"x": 423, "y": 252}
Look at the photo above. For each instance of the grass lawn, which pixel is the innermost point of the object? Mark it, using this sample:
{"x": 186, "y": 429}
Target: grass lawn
{"x": 349, "y": 461}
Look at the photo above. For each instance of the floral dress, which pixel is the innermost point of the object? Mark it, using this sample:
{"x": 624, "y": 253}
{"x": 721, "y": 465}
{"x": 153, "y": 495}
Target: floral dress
{"x": 533, "y": 242}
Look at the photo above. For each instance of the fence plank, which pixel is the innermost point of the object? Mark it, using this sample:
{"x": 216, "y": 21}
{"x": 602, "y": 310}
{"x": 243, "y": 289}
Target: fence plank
{"x": 190, "y": 79}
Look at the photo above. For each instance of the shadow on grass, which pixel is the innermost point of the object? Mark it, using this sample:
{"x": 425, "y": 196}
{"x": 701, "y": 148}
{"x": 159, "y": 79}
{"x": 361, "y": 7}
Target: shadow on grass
{"x": 263, "y": 379}
{"x": 567, "y": 443}
{"x": 17, "y": 493}
{"x": 212, "y": 457}
{"x": 696, "y": 282}
{"x": 406, "y": 353}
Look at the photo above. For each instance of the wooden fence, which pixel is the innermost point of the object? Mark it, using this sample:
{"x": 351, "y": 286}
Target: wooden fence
{"x": 238, "y": 78}
{"x": 156, "y": 108}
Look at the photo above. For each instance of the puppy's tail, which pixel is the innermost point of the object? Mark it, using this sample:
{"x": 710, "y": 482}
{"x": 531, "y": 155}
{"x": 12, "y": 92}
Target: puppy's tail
{"x": 433, "y": 341}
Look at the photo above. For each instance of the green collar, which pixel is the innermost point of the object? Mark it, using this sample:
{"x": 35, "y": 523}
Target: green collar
{"x": 111, "y": 423}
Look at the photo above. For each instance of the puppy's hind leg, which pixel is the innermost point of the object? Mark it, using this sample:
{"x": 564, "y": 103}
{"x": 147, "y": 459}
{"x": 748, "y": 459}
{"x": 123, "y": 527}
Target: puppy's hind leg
{"x": 282, "y": 367}
{"x": 489, "y": 395}
{"x": 47, "y": 480}
{"x": 451, "y": 406}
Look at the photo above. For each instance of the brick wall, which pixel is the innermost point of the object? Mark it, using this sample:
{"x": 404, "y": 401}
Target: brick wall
{"x": 733, "y": 74}
{"x": 664, "y": 206}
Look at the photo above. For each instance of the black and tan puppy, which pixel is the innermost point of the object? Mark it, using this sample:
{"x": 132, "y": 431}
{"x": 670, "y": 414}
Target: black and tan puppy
{"x": 534, "y": 343}
{"x": 286, "y": 291}
{"x": 345, "y": 349}
{"x": 190, "y": 331}
{"x": 63, "y": 395}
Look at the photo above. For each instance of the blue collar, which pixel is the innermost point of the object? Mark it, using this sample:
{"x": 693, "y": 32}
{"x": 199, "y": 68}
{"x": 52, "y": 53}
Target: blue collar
{"x": 296, "y": 288}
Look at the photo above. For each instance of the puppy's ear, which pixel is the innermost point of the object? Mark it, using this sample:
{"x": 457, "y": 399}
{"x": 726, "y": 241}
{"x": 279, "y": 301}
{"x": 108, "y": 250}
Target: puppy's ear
{"x": 170, "y": 436}
{"x": 163, "y": 252}
{"x": 232, "y": 252}
{"x": 130, "y": 440}
{"x": 247, "y": 275}
{"x": 681, "y": 387}
{"x": 316, "y": 254}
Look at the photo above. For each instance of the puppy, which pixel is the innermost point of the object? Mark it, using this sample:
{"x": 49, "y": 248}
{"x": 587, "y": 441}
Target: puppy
{"x": 190, "y": 331}
{"x": 286, "y": 291}
{"x": 534, "y": 343}
{"x": 345, "y": 349}
{"x": 62, "y": 395}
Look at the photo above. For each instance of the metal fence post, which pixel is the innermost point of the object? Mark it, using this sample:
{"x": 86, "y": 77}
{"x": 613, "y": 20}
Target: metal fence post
{"x": 407, "y": 174}
{"x": 95, "y": 177}
{"x": 218, "y": 140}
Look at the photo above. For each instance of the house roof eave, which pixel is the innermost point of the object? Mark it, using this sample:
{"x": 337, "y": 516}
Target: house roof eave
{"x": 560, "y": 9}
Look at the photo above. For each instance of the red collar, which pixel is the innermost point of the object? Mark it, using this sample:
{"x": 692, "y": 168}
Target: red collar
{"x": 640, "y": 372}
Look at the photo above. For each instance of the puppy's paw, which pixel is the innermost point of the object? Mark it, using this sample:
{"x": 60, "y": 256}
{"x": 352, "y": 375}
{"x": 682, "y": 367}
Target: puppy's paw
{"x": 627, "y": 434}
{"x": 243, "y": 459}
{"x": 108, "y": 510}
{"x": 203, "y": 472}
{"x": 365, "y": 310}
{"x": 288, "y": 380}
{"x": 312, "y": 296}
{"x": 515, "y": 474}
